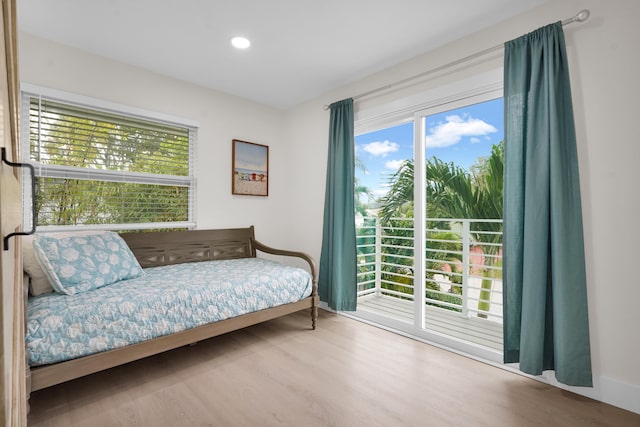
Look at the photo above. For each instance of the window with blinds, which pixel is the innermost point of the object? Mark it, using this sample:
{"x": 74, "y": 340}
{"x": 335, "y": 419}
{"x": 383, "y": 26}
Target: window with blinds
{"x": 97, "y": 168}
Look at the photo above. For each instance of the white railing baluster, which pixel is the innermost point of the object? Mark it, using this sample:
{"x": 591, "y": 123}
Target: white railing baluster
{"x": 378, "y": 268}
{"x": 466, "y": 251}
{"x": 394, "y": 284}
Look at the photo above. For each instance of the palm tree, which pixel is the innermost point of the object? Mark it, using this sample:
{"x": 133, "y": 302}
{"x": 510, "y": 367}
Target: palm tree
{"x": 456, "y": 193}
{"x": 452, "y": 192}
{"x": 360, "y": 190}
{"x": 365, "y": 233}
{"x": 399, "y": 199}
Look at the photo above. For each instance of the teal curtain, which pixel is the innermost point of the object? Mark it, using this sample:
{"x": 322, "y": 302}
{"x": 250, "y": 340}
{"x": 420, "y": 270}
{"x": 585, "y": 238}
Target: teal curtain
{"x": 545, "y": 300}
{"x": 337, "y": 278}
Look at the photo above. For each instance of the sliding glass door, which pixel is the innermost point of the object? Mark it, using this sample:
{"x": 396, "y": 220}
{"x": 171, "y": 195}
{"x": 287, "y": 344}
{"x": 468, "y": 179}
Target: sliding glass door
{"x": 384, "y": 222}
{"x": 430, "y": 231}
{"x": 462, "y": 222}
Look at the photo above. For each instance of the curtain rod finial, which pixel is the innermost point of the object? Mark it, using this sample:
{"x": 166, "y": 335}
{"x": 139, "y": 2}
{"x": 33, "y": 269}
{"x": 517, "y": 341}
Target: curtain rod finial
{"x": 583, "y": 15}
{"x": 326, "y": 107}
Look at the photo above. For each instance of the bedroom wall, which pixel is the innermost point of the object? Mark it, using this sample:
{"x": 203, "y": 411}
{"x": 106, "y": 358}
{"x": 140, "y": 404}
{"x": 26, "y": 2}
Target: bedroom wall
{"x": 603, "y": 63}
{"x": 604, "y": 67}
{"x": 221, "y": 117}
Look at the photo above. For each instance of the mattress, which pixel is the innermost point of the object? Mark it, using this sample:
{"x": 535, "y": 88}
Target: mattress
{"x": 164, "y": 301}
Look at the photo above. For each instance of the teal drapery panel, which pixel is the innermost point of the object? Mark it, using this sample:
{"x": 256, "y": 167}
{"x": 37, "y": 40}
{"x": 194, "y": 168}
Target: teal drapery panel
{"x": 337, "y": 277}
{"x": 545, "y": 300}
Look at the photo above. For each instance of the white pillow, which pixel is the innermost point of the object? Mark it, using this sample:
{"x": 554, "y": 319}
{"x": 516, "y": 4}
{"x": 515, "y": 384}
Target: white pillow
{"x": 38, "y": 283}
{"x": 83, "y": 262}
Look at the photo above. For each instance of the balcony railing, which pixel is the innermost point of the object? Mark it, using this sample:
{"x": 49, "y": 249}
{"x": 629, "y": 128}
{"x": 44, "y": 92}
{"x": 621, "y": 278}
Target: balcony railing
{"x": 463, "y": 263}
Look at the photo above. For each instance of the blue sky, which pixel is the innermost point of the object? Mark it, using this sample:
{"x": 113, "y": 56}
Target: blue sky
{"x": 460, "y": 135}
{"x": 250, "y": 157}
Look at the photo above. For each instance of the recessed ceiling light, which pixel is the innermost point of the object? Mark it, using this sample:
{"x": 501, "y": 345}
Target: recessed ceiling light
{"x": 240, "y": 42}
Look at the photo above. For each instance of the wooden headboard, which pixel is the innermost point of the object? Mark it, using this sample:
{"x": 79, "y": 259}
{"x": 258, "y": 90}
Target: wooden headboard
{"x": 176, "y": 247}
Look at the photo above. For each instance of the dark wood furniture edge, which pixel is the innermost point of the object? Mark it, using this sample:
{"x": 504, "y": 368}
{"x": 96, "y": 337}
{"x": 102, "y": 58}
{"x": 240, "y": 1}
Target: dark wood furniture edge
{"x": 147, "y": 247}
{"x": 48, "y": 375}
{"x": 312, "y": 266}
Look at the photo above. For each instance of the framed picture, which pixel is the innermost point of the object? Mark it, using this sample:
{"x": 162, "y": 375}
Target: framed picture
{"x": 250, "y": 169}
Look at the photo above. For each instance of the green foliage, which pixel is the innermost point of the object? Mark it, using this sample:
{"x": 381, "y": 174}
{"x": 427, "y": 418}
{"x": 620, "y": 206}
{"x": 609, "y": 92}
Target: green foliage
{"x": 452, "y": 192}
{"x": 366, "y": 239}
{"x": 67, "y": 136}
{"x": 441, "y": 249}
{"x": 398, "y": 202}
{"x": 397, "y": 256}
{"x": 361, "y": 191}
{"x": 448, "y": 298}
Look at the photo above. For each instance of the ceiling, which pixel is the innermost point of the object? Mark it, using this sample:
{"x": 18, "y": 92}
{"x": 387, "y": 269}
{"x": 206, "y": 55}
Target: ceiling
{"x": 300, "y": 49}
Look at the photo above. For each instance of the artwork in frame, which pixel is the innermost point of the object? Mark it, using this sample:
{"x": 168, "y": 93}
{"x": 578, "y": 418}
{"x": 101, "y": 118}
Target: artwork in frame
{"x": 250, "y": 169}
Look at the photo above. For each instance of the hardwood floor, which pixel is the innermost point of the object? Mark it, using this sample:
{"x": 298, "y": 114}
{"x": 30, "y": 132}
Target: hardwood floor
{"x": 345, "y": 373}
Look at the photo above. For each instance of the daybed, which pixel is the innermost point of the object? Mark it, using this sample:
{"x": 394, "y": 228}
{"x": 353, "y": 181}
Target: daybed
{"x": 188, "y": 278}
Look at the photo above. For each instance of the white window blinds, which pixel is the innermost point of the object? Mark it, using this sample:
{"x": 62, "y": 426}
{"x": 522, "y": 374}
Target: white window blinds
{"x": 102, "y": 169}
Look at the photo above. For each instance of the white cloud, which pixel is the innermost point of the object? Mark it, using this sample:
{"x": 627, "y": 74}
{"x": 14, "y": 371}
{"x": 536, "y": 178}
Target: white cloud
{"x": 393, "y": 164}
{"x": 379, "y": 192}
{"x": 455, "y": 128}
{"x": 380, "y": 148}
{"x": 475, "y": 140}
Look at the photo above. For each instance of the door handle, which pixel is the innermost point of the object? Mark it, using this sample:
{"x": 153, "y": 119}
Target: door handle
{"x": 32, "y": 171}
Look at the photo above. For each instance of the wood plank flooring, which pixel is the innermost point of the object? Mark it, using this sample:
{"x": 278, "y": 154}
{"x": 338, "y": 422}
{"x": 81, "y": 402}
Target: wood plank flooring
{"x": 345, "y": 373}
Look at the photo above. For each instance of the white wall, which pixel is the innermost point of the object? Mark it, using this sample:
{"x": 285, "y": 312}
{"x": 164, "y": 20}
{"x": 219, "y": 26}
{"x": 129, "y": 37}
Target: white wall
{"x": 603, "y": 61}
{"x": 604, "y": 65}
{"x": 221, "y": 117}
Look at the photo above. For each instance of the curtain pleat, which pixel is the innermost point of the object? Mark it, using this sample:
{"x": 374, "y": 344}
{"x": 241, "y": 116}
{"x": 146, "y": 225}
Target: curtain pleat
{"x": 545, "y": 297}
{"x": 337, "y": 277}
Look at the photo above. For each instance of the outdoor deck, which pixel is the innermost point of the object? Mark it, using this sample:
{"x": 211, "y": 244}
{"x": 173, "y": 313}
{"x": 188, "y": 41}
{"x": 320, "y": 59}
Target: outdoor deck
{"x": 482, "y": 332}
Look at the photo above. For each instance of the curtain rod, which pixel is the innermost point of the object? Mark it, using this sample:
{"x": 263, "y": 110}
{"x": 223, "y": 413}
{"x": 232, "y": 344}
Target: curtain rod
{"x": 581, "y": 16}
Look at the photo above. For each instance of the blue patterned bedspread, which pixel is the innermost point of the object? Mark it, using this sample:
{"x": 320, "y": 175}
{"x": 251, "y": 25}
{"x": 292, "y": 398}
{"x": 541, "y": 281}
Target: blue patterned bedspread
{"x": 166, "y": 300}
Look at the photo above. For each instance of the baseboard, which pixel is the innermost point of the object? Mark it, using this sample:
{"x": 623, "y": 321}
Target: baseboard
{"x": 607, "y": 390}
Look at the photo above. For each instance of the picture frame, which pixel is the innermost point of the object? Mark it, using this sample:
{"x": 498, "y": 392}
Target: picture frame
{"x": 250, "y": 169}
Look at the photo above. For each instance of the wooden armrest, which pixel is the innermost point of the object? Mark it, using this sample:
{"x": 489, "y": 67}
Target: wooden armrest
{"x": 312, "y": 264}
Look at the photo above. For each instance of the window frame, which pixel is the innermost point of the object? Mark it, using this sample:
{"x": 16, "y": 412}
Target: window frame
{"x": 29, "y": 91}
{"x": 463, "y": 92}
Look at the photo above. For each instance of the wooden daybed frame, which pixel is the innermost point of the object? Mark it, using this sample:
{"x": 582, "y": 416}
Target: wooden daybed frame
{"x": 174, "y": 247}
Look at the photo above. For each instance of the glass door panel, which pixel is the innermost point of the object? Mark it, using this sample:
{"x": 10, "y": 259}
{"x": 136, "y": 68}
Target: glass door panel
{"x": 429, "y": 217}
{"x": 463, "y": 222}
{"x": 385, "y": 224}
